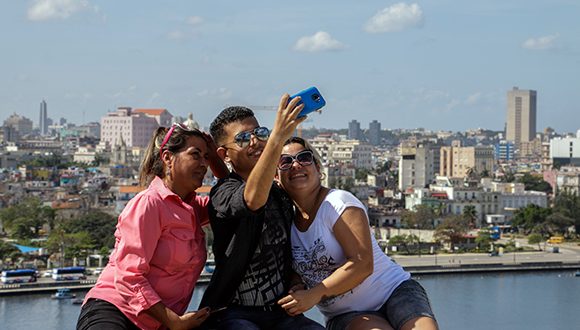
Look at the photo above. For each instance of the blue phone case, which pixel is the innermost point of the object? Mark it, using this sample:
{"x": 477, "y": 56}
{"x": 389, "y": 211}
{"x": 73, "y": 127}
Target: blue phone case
{"x": 312, "y": 100}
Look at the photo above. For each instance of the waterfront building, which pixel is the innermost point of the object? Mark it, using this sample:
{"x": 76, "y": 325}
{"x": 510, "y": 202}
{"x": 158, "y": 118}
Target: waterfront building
{"x": 521, "y": 115}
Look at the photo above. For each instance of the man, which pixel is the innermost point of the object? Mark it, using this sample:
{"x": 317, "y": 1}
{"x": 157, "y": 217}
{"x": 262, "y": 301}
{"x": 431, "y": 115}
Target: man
{"x": 250, "y": 217}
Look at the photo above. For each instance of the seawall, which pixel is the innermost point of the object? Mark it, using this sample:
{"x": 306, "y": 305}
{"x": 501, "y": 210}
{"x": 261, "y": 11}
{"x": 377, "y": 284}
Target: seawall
{"x": 51, "y": 287}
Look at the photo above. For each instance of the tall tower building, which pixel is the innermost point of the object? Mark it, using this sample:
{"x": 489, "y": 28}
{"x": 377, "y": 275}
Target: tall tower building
{"x": 375, "y": 133}
{"x": 521, "y": 116}
{"x": 42, "y": 121}
{"x": 354, "y": 132}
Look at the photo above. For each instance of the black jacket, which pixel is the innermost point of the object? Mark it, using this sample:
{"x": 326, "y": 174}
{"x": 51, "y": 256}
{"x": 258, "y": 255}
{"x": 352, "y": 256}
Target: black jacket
{"x": 237, "y": 231}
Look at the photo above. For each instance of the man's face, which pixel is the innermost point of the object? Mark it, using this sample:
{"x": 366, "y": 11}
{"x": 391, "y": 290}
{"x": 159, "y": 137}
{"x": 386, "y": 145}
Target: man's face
{"x": 243, "y": 159}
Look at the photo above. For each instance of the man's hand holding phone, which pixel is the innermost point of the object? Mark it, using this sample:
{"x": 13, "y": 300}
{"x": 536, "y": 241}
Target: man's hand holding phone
{"x": 312, "y": 100}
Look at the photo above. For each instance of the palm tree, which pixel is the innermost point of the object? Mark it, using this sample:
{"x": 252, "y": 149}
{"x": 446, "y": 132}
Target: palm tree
{"x": 470, "y": 214}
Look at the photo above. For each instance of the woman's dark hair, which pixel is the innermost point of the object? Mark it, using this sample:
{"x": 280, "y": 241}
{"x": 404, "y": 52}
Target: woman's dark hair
{"x": 307, "y": 146}
{"x": 152, "y": 165}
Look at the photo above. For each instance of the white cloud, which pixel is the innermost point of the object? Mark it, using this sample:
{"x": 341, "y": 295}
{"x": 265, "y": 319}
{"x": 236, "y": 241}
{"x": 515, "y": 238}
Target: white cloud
{"x": 320, "y": 42}
{"x": 194, "y": 20}
{"x": 397, "y": 17}
{"x": 175, "y": 35}
{"x": 541, "y": 43}
{"x": 153, "y": 99}
{"x": 221, "y": 93}
{"x": 473, "y": 98}
{"x": 43, "y": 10}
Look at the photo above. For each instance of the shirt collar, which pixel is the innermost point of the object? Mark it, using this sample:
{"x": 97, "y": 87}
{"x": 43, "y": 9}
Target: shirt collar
{"x": 158, "y": 185}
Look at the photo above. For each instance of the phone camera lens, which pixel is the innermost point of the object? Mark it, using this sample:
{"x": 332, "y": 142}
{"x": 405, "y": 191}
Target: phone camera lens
{"x": 315, "y": 97}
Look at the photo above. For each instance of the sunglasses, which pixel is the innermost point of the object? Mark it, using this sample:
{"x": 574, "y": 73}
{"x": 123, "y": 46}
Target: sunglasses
{"x": 243, "y": 139}
{"x": 170, "y": 132}
{"x": 304, "y": 158}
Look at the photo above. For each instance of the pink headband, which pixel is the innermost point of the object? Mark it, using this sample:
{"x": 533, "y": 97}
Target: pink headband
{"x": 166, "y": 139}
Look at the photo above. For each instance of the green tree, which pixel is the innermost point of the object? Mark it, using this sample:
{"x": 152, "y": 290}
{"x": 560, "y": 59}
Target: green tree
{"x": 99, "y": 225}
{"x": 535, "y": 238}
{"x": 7, "y": 250}
{"x": 569, "y": 205}
{"x": 361, "y": 174}
{"x": 403, "y": 240}
{"x": 483, "y": 239}
{"x": 531, "y": 218}
{"x": 558, "y": 223}
{"x": 452, "y": 230}
{"x": 24, "y": 220}
{"x": 470, "y": 214}
{"x": 536, "y": 183}
{"x": 421, "y": 218}
{"x": 71, "y": 245}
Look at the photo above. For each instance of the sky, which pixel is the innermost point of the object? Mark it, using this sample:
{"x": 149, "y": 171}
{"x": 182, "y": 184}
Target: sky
{"x": 435, "y": 64}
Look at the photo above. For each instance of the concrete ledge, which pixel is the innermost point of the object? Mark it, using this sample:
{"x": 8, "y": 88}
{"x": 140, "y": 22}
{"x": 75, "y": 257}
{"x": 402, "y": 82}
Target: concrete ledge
{"x": 51, "y": 287}
{"x": 486, "y": 268}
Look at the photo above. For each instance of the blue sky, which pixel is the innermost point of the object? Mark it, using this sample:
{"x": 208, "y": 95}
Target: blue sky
{"x": 437, "y": 64}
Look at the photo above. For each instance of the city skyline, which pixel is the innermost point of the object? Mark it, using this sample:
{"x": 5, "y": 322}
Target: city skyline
{"x": 441, "y": 66}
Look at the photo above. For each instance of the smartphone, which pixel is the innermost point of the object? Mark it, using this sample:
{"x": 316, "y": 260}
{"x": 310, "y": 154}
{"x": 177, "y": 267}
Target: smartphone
{"x": 217, "y": 310}
{"x": 312, "y": 100}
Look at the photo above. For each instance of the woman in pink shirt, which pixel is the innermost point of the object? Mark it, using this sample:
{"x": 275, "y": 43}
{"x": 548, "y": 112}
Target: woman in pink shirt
{"x": 160, "y": 247}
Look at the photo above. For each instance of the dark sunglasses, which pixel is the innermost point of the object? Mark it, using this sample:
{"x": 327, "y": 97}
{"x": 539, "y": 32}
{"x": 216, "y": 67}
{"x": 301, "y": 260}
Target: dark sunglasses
{"x": 170, "y": 132}
{"x": 242, "y": 139}
{"x": 304, "y": 158}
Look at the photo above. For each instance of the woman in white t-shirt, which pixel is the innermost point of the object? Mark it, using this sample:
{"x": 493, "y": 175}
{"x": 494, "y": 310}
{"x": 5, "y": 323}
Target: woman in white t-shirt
{"x": 344, "y": 272}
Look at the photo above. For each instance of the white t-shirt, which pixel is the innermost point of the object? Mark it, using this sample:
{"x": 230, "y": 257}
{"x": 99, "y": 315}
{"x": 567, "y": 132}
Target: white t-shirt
{"x": 317, "y": 254}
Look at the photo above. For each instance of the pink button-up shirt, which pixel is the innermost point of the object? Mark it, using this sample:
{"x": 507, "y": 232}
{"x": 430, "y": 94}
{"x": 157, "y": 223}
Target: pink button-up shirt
{"x": 158, "y": 257}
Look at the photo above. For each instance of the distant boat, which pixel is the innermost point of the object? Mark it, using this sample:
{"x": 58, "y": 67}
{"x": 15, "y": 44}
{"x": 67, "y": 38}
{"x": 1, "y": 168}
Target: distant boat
{"x": 63, "y": 294}
{"x": 577, "y": 274}
{"x": 77, "y": 301}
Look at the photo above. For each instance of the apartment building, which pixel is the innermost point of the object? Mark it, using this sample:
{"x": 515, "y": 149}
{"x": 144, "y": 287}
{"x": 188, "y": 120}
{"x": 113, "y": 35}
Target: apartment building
{"x": 133, "y": 127}
{"x": 457, "y": 161}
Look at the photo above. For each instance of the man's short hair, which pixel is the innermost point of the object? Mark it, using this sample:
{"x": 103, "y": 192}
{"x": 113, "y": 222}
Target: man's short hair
{"x": 228, "y": 115}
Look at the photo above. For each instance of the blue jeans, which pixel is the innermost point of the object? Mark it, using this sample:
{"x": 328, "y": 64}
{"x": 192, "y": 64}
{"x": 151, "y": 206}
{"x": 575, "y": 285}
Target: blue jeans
{"x": 255, "y": 318}
{"x": 408, "y": 301}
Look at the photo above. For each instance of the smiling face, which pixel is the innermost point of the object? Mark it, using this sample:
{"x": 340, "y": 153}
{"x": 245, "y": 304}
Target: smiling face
{"x": 189, "y": 165}
{"x": 299, "y": 178}
{"x": 243, "y": 159}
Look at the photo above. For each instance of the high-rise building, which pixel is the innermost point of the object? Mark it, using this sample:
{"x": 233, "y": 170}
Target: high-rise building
{"x": 521, "y": 116}
{"x": 375, "y": 133}
{"x": 354, "y": 132}
{"x": 42, "y": 121}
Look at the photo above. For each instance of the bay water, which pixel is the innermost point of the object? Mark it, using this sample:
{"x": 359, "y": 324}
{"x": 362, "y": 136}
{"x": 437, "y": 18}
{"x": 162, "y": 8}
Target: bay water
{"x": 529, "y": 300}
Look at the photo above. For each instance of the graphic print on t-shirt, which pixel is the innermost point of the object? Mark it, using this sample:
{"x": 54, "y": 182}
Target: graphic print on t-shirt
{"x": 314, "y": 265}
{"x": 263, "y": 282}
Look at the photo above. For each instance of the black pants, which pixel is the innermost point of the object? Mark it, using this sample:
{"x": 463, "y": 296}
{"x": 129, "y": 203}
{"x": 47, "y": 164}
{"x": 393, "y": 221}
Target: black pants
{"x": 97, "y": 314}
